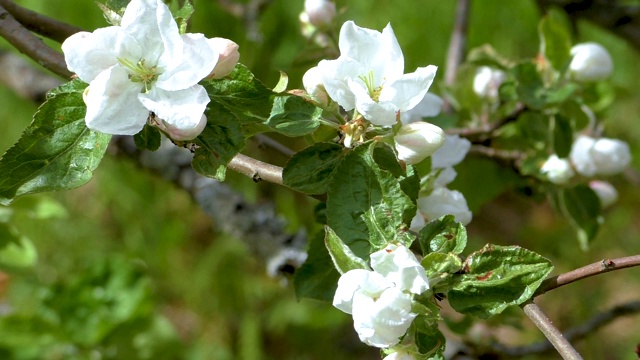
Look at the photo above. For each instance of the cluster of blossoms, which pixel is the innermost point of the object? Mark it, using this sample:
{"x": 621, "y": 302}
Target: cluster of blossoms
{"x": 380, "y": 300}
{"x": 369, "y": 78}
{"x": 144, "y": 65}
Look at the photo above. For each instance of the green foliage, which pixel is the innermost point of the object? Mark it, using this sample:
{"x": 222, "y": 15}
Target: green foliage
{"x": 317, "y": 278}
{"x": 366, "y": 206}
{"x": 149, "y": 138}
{"x": 311, "y": 170}
{"x": 343, "y": 258}
{"x": 555, "y": 38}
{"x": 183, "y": 15}
{"x": 443, "y": 235}
{"x": 57, "y": 151}
{"x": 581, "y": 206}
{"x": 497, "y": 277}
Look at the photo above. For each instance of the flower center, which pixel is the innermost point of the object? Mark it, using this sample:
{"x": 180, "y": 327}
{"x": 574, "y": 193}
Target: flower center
{"x": 369, "y": 80}
{"x": 141, "y": 73}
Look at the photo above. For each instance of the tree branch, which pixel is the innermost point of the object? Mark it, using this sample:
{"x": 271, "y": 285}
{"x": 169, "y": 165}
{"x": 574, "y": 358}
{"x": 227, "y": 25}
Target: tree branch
{"x": 457, "y": 45}
{"x": 573, "y": 334}
{"x": 559, "y": 342}
{"x": 31, "y": 45}
{"x": 597, "y": 268}
{"x": 40, "y": 24}
{"x": 256, "y": 169}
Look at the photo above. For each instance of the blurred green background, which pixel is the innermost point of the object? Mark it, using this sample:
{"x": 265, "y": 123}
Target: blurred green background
{"x": 128, "y": 267}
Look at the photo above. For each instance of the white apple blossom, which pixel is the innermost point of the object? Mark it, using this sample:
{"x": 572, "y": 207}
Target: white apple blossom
{"x": 380, "y": 300}
{"x": 320, "y": 12}
{"x": 590, "y": 62}
{"x": 417, "y": 140}
{"x": 452, "y": 152}
{"x": 443, "y": 201}
{"x": 399, "y": 355}
{"x": 487, "y": 81}
{"x": 602, "y": 156}
{"x": 558, "y": 170}
{"x": 429, "y": 106}
{"x": 369, "y": 75}
{"x": 607, "y": 194}
{"x": 143, "y": 65}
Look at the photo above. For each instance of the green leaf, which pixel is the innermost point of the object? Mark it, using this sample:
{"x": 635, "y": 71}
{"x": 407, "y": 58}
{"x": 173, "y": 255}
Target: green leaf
{"x": 574, "y": 111}
{"x": 56, "y": 152}
{"x": 149, "y": 138}
{"x": 282, "y": 83}
{"x": 409, "y": 179}
{"x": 430, "y": 341}
{"x": 310, "y": 171}
{"x": 534, "y": 129}
{"x": 219, "y": 142}
{"x": 19, "y": 254}
{"x": 7, "y": 236}
{"x": 562, "y": 136}
{"x": 366, "y": 206}
{"x": 530, "y": 87}
{"x": 317, "y": 278}
{"x": 497, "y": 277}
{"x": 582, "y": 207}
{"x": 343, "y": 258}
{"x": 441, "y": 269}
{"x": 443, "y": 235}
{"x": 486, "y": 55}
{"x": 293, "y": 116}
{"x": 555, "y": 39}
{"x": 242, "y": 94}
{"x": 183, "y": 15}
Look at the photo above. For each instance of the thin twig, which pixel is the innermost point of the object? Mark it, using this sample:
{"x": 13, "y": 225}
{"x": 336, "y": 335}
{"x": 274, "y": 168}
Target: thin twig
{"x": 270, "y": 142}
{"x": 458, "y": 42}
{"x": 573, "y": 334}
{"x": 256, "y": 169}
{"x": 486, "y": 132}
{"x": 505, "y": 155}
{"x": 562, "y": 345}
{"x": 31, "y": 45}
{"x": 40, "y": 24}
{"x": 597, "y": 268}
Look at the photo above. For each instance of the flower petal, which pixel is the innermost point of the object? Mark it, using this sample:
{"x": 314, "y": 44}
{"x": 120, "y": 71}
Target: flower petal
{"x": 112, "y": 104}
{"x": 89, "y": 54}
{"x": 335, "y": 75}
{"x": 181, "y": 109}
{"x": 367, "y": 283}
{"x": 398, "y": 265}
{"x": 378, "y": 113}
{"x": 197, "y": 62}
{"x": 409, "y": 89}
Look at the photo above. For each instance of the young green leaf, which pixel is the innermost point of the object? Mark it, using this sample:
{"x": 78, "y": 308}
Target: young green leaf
{"x": 562, "y": 136}
{"x": 293, "y": 116}
{"x": 149, "y": 138}
{"x": 219, "y": 142}
{"x": 555, "y": 38}
{"x": 183, "y": 15}
{"x": 366, "y": 206}
{"x": 497, "y": 277}
{"x": 581, "y": 206}
{"x": 443, "y": 235}
{"x": 57, "y": 151}
{"x": 317, "y": 278}
{"x": 310, "y": 171}
{"x": 343, "y": 258}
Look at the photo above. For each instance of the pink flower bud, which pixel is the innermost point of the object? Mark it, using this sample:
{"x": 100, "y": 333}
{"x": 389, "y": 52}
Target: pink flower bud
{"x": 180, "y": 134}
{"x": 321, "y": 12}
{"x": 228, "y": 58}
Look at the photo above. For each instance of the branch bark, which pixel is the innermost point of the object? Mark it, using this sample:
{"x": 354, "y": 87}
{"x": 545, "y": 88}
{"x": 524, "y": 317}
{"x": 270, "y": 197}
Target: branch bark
{"x": 31, "y": 45}
{"x": 559, "y": 342}
{"x": 40, "y": 24}
{"x": 594, "y": 269}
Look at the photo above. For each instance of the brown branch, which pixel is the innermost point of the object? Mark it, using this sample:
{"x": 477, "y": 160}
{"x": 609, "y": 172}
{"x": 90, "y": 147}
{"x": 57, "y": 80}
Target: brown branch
{"x": 256, "y": 169}
{"x": 31, "y": 45}
{"x": 559, "y": 342}
{"x": 482, "y": 133}
{"x": 573, "y": 334}
{"x": 509, "y": 156}
{"x": 457, "y": 45}
{"x": 40, "y": 24}
{"x": 597, "y": 268}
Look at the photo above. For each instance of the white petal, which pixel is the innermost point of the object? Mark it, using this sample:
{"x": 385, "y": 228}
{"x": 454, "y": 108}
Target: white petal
{"x": 112, "y": 104}
{"x": 181, "y": 109}
{"x": 429, "y": 106}
{"x": 151, "y": 23}
{"x": 228, "y": 56}
{"x": 580, "y": 155}
{"x": 607, "y": 194}
{"x": 443, "y": 201}
{"x": 446, "y": 176}
{"x": 409, "y": 89}
{"x": 335, "y": 75}
{"x": 89, "y": 54}
{"x": 453, "y": 151}
{"x": 417, "y": 140}
{"x": 611, "y": 156}
{"x": 400, "y": 266}
{"x": 197, "y": 62}
{"x": 379, "y": 52}
{"x": 382, "y": 323}
{"x": 368, "y": 283}
{"x": 378, "y": 113}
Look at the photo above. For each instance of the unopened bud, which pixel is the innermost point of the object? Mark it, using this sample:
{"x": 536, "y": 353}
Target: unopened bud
{"x": 417, "y": 140}
{"x": 182, "y": 134}
{"x": 590, "y": 62}
{"x": 558, "y": 170}
{"x": 312, "y": 82}
{"x": 605, "y": 191}
{"x": 603, "y": 156}
{"x": 487, "y": 82}
{"x": 228, "y": 58}
{"x": 320, "y": 12}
